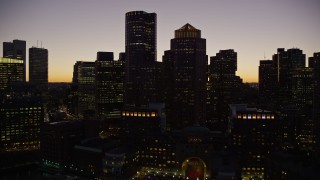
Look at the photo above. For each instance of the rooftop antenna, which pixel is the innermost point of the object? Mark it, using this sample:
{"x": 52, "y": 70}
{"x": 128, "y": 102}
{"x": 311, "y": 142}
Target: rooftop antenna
{"x": 37, "y": 43}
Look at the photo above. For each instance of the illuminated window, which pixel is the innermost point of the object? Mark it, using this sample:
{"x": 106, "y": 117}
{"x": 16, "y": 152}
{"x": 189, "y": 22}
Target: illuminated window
{"x": 254, "y": 116}
{"x": 249, "y": 116}
{"x": 259, "y": 116}
{"x": 263, "y": 116}
{"x": 244, "y": 116}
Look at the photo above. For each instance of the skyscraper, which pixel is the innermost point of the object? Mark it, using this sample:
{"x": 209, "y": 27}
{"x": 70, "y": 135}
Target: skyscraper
{"x": 84, "y": 84}
{"x": 109, "y": 85}
{"x": 38, "y": 67}
{"x": 316, "y": 99}
{"x": 225, "y": 87}
{"x": 287, "y": 62}
{"x": 141, "y": 53}
{"x": 16, "y": 50}
{"x": 294, "y": 95}
{"x": 302, "y": 97}
{"x": 186, "y": 63}
{"x": 267, "y": 81}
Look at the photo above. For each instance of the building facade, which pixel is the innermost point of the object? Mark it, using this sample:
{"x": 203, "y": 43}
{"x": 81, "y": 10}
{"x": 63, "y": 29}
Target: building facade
{"x": 142, "y": 69}
{"x": 254, "y": 137}
{"x": 16, "y": 50}
{"x": 109, "y": 85}
{"x": 186, "y": 64}
{"x": 267, "y": 81}
{"x": 20, "y": 120}
{"x": 287, "y": 62}
{"x": 316, "y": 100}
{"x": 11, "y": 71}
{"x": 224, "y": 88}
{"x": 84, "y": 83}
{"x": 38, "y": 67}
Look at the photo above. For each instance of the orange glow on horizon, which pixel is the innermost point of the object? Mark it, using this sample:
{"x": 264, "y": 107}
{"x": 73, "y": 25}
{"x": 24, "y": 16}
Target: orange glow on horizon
{"x": 60, "y": 78}
{"x": 65, "y": 78}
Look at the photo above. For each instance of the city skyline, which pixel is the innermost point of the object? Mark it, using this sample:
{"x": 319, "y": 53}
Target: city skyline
{"x": 75, "y": 32}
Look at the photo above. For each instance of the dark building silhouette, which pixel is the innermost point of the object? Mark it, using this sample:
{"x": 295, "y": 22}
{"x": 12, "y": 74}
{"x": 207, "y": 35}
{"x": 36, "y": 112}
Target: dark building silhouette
{"x": 316, "y": 100}
{"x": 267, "y": 82}
{"x": 16, "y": 50}
{"x": 186, "y": 64}
{"x": 224, "y": 88}
{"x": 38, "y": 67}
{"x": 295, "y": 88}
{"x": 109, "y": 85}
{"x": 287, "y": 62}
{"x": 141, "y": 52}
{"x": 254, "y": 135}
{"x": 84, "y": 83}
{"x": 11, "y": 71}
{"x": 57, "y": 141}
{"x": 302, "y": 97}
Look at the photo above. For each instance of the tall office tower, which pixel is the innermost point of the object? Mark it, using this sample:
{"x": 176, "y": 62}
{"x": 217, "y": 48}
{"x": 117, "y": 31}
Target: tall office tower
{"x": 302, "y": 87}
{"x": 84, "y": 83}
{"x": 316, "y": 100}
{"x": 286, "y": 63}
{"x": 186, "y": 64}
{"x": 267, "y": 82}
{"x": 109, "y": 77}
{"x": 38, "y": 67}
{"x": 16, "y": 50}
{"x": 225, "y": 88}
{"x": 311, "y": 62}
{"x": 11, "y": 71}
{"x": 302, "y": 99}
{"x": 141, "y": 56}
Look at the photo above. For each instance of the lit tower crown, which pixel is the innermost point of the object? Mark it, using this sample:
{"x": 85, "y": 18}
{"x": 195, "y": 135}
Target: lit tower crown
{"x": 187, "y": 31}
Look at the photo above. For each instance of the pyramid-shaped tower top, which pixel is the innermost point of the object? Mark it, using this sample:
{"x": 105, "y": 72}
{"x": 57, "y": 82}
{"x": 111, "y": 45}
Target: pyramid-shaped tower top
{"x": 187, "y": 31}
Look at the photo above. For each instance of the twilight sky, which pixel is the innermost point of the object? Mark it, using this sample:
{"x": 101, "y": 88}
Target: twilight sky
{"x": 74, "y": 30}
